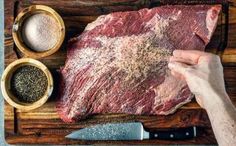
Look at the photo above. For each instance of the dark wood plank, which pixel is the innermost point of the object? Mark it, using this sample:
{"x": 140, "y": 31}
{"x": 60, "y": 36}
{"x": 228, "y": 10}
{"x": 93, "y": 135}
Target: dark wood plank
{"x": 206, "y": 136}
{"x": 10, "y": 54}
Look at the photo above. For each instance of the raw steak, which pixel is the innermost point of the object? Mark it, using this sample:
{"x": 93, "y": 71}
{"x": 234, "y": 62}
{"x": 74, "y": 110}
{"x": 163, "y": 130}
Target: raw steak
{"x": 119, "y": 63}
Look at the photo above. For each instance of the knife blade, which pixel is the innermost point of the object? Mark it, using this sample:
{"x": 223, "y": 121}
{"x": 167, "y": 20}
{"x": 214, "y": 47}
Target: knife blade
{"x": 130, "y": 131}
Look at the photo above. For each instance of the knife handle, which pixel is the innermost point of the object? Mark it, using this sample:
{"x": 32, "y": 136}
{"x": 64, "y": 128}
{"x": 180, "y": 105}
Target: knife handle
{"x": 174, "y": 134}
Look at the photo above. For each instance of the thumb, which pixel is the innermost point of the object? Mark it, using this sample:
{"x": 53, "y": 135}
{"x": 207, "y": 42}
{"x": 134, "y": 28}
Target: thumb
{"x": 178, "y": 67}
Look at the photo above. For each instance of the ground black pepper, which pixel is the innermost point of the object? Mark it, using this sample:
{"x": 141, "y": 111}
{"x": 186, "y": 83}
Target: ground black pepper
{"x": 28, "y": 83}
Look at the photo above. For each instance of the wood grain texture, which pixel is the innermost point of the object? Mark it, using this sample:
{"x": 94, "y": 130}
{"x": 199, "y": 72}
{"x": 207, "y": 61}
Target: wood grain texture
{"x": 43, "y": 126}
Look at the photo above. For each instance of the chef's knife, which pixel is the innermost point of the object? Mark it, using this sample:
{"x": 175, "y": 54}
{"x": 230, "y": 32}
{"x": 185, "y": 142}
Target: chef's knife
{"x": 130, "y": 131}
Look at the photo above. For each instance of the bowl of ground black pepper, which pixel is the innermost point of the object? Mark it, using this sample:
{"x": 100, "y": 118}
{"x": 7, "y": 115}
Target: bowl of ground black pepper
{"x": 38, "y": 31}
{"x": 26, "y": 84}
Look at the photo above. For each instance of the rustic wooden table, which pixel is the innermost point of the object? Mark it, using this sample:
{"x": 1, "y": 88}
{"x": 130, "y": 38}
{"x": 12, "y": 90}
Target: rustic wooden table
{"x": 43, "y": 126}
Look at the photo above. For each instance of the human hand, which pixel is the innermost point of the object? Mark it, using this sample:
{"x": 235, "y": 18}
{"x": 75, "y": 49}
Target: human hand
{"x": 203, "y": 73}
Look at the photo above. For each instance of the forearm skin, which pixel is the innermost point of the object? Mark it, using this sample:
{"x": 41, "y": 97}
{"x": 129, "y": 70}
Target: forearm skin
{"x": 222, "y": 115}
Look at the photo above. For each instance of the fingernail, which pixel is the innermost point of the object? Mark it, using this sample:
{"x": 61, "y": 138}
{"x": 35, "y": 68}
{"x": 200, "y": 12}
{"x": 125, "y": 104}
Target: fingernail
{"x": 170, "y": 65}
{"x": 174, "y": 52}
{"x": 171, "y": 59}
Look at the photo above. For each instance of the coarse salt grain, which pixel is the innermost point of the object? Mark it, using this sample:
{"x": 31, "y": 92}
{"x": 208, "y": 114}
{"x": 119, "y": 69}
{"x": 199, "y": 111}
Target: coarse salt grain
{"x": 40, "y": 32}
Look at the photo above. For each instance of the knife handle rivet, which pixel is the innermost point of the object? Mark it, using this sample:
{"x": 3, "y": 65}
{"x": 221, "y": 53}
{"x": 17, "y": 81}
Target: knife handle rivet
{"x": 187, "y": 133}
{"x": 171, "y": 135}
{"x": 155, "y": 135}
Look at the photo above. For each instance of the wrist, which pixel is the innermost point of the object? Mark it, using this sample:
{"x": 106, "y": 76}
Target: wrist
{"x": 218, "y": 101}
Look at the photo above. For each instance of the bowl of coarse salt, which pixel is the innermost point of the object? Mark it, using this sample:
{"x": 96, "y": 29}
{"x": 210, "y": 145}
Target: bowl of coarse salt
{"x": 38, "y": 31}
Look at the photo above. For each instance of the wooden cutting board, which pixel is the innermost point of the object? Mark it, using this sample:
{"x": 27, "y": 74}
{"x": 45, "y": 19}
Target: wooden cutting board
{"x": 43, "y": 126}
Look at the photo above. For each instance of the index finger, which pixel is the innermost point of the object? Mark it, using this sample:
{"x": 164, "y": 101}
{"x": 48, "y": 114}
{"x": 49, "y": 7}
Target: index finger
{"x": 192, "y": 55}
